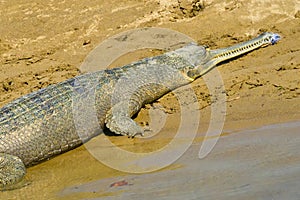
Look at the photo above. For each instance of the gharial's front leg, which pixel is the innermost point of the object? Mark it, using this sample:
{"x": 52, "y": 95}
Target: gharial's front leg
{"x": 118, "y": 120}
{"x": 143, "y": 83}
{"x": 12, "y": 171}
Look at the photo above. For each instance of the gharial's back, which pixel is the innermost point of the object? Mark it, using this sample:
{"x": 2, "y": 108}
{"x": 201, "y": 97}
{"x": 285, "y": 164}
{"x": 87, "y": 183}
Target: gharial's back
{"x": 40, "y": 124}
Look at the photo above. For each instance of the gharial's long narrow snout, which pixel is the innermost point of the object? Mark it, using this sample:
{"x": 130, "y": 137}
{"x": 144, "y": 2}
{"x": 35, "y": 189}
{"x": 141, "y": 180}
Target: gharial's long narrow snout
{"x": 220, "y": 55}
{"x": 262, "y": 40}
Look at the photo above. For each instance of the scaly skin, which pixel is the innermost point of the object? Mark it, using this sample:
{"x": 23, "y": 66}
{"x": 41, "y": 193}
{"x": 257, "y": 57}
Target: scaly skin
{"x": 42, "y": 124}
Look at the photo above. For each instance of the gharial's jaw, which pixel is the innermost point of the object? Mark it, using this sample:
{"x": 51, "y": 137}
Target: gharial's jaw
{"x": 220, "y": 55}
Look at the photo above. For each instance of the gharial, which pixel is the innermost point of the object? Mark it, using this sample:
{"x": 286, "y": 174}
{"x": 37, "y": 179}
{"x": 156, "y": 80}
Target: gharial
{"x": 41, "y": 124}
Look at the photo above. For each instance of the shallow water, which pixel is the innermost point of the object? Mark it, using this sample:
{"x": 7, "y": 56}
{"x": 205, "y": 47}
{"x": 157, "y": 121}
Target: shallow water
{"x": 262, "y": 163}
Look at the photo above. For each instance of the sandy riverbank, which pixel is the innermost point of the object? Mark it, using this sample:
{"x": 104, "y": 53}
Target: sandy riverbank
{"x": 43, "y": 43}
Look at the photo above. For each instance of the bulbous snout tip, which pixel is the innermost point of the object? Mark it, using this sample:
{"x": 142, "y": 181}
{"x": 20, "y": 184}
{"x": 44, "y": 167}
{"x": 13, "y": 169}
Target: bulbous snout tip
{"x": 275, "y": 38}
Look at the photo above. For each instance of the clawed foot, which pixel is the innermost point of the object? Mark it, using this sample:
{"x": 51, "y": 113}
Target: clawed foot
{"x": 124, "y": 126}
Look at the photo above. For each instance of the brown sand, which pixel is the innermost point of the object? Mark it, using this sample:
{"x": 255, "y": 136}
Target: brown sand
{"x": 44, "y": 42}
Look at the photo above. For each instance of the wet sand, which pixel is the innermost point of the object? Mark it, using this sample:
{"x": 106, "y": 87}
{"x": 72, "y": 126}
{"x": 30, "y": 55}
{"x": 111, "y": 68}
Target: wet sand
{"x": 262, "y": 163}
